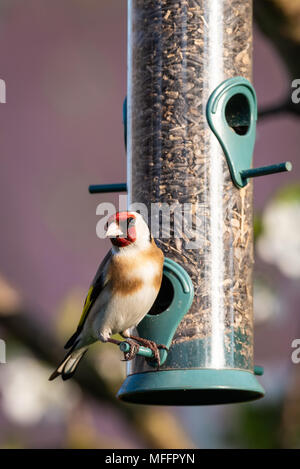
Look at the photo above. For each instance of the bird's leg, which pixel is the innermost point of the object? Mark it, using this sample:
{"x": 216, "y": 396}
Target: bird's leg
{"x": 151, "y": 345}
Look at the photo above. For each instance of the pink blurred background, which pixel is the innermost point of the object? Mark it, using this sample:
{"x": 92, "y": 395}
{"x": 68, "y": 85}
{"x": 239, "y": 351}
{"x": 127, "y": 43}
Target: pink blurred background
{"x": 64, "y": 64}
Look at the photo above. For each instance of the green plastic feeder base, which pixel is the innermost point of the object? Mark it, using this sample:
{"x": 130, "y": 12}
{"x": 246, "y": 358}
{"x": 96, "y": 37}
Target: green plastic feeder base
{"x": 191, "y": 387}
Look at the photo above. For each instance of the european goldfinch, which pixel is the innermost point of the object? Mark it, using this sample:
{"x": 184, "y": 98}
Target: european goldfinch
{"x": 122, "y": 292}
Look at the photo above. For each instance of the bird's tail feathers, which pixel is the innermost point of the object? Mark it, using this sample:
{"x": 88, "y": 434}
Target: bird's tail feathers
{"x": 67, "y": 367}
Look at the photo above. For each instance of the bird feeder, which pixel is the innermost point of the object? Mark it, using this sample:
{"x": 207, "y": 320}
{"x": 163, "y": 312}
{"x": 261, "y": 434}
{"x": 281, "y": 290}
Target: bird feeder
{"x": 191, "y": 119}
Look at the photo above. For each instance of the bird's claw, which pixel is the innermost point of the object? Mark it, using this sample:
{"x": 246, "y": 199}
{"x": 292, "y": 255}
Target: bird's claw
{"x": 163, "y": 347}
{"x": 155, "y": 350}
{"x": 153, "y": 346}
{"x": 134, "y": 348}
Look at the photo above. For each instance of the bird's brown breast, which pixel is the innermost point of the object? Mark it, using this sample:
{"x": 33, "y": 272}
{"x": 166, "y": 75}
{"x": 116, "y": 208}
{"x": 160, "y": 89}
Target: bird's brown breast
{"x": 121, "y": 272}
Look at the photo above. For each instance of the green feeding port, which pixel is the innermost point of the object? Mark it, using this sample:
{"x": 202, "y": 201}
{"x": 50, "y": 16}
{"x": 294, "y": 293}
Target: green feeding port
{"x": 172, "y": 303}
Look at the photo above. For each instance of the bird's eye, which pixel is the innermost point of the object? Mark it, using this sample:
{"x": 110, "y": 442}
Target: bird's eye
{"x": 131, "y": 221}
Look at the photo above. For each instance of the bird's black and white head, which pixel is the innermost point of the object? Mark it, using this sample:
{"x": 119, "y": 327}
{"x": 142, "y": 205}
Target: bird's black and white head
{"x": 127, "y": 229}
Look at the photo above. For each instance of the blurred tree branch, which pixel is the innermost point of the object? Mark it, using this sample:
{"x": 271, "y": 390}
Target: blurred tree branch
{"x": 37, "y": 338}
{"x": 279, "y": 20}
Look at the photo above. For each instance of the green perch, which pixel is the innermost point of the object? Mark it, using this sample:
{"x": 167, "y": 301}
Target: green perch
{"x": 143, "y": 351}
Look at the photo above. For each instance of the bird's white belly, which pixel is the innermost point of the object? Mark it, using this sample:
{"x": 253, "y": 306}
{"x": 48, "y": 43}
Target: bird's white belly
{"x": 123, "y": 312}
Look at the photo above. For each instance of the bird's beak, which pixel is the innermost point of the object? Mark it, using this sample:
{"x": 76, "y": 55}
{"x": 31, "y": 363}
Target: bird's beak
{"x": 113, "y": 231}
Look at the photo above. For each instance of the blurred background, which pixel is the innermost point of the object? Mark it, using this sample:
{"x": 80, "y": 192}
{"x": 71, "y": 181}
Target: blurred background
{"x": 64, "y": 64}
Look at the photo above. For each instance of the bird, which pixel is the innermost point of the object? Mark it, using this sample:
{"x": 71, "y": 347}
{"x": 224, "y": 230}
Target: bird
{"x": 122, "y": 292}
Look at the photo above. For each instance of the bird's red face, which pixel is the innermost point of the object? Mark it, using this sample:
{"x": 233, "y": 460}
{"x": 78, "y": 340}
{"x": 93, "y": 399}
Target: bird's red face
{"x": 121, "y": 229}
